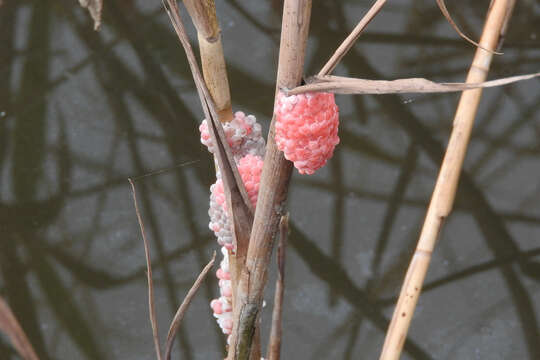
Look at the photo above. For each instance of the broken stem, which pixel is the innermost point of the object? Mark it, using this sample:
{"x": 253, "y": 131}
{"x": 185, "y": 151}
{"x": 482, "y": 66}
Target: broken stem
{"x": 204, "y": 17}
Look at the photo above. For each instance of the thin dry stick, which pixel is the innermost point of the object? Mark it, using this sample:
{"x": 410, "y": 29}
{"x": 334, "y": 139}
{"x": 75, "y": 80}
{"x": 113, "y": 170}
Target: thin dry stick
{"x": 346, "y": 85}
{"x": 204, "y": 17}
{"x": 13, "y": 330}
{"x": 238, "y": 204}
{"x": 445, "y": 188}
{"x": 347, "y": 44}
{"x": 274, "y": 345}
{"x": 151, "y": 304}
{"x": 273, "y": 187}
{"x": 184, "y": 306}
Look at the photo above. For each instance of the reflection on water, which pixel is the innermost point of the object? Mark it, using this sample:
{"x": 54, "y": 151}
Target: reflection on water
{"x": 81, "y": 111}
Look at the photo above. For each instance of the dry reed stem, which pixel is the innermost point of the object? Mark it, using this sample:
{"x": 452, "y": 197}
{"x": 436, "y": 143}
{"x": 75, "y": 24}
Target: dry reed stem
{"x": 445, "y": 189}
{"x": 273, "y": 187}
{"x": 347, "y": 85}
{"x": 274, "y": 344}
{"x": 203, "y": 14}
{"x": 151, "y": 303}
{"x": 184, "y": 306}
{"x": 238, "y": 203}
{"x": 204, "y": 17}
{"x": 348, "y": 43}
{"x": 13, "y": 330}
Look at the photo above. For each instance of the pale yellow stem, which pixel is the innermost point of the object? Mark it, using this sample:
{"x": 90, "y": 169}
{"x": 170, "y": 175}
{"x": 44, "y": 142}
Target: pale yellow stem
{"x": 443, "y": 196}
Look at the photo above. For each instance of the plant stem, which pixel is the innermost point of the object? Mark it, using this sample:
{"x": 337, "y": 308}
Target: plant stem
{"x": 203, "y": 15}
{"x": 13, "y": 330}
{"x": 347, "y": 85}
{"x": 445, "y": 189}
{"x": 150, "y": 281}
{"x": 348, "y": 43}
{"x": 274, "y": 345}
{"x": 175, "y": 323}
{"x": 273, "y": 187}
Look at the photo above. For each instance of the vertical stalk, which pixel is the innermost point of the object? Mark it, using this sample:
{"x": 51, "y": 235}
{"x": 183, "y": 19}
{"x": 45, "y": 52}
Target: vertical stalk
{"x": 445, "y": 189}
{"x": 273, "y": 188}
{"x": 204, "y": 17}
{"x": 274, "y": 344}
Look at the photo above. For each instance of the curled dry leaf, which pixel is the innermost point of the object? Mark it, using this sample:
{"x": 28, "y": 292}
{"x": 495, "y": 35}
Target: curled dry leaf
{"x": 95, "y": 7}
{"x": 446, "y": 14}
{"x": 345, "y": 85}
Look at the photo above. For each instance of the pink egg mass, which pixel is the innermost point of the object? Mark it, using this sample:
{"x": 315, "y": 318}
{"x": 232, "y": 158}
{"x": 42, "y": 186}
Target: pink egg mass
{"x": 306, "y": 129}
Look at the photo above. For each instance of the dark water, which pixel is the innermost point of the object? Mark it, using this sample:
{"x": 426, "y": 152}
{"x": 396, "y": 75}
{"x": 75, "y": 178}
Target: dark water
{"x": 81, "y": 111}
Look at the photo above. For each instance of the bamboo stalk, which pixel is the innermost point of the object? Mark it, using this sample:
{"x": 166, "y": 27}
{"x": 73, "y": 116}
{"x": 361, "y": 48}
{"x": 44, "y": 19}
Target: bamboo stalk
{"x": 203, "y": 15}
{"x": 273, "y": 187}
{"x": 445, "y": 189}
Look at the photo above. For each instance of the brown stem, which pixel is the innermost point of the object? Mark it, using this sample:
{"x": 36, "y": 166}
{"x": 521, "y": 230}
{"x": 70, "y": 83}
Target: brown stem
{"x": 151, "y": 303}
{"x": 204, "y": 17}
{"x": 273, "y": 188}
{"x": 12, "y": 329}
{"x": 238, "y": 204}
{"x": 347, "y": 44}
{"x": 184, "y": 306}
{"x": 274, "y": 345}
{"x": 445, "y": 189}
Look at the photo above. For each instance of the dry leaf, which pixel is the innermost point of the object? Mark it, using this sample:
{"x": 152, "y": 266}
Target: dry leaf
{"x": 95, "y": 7}
{"x": 446, "y": 13}
{"x": 345, "y": 85}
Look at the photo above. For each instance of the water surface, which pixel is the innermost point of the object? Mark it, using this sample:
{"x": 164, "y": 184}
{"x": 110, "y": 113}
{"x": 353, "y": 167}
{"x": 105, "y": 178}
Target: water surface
{"x": 81, "y": 111}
